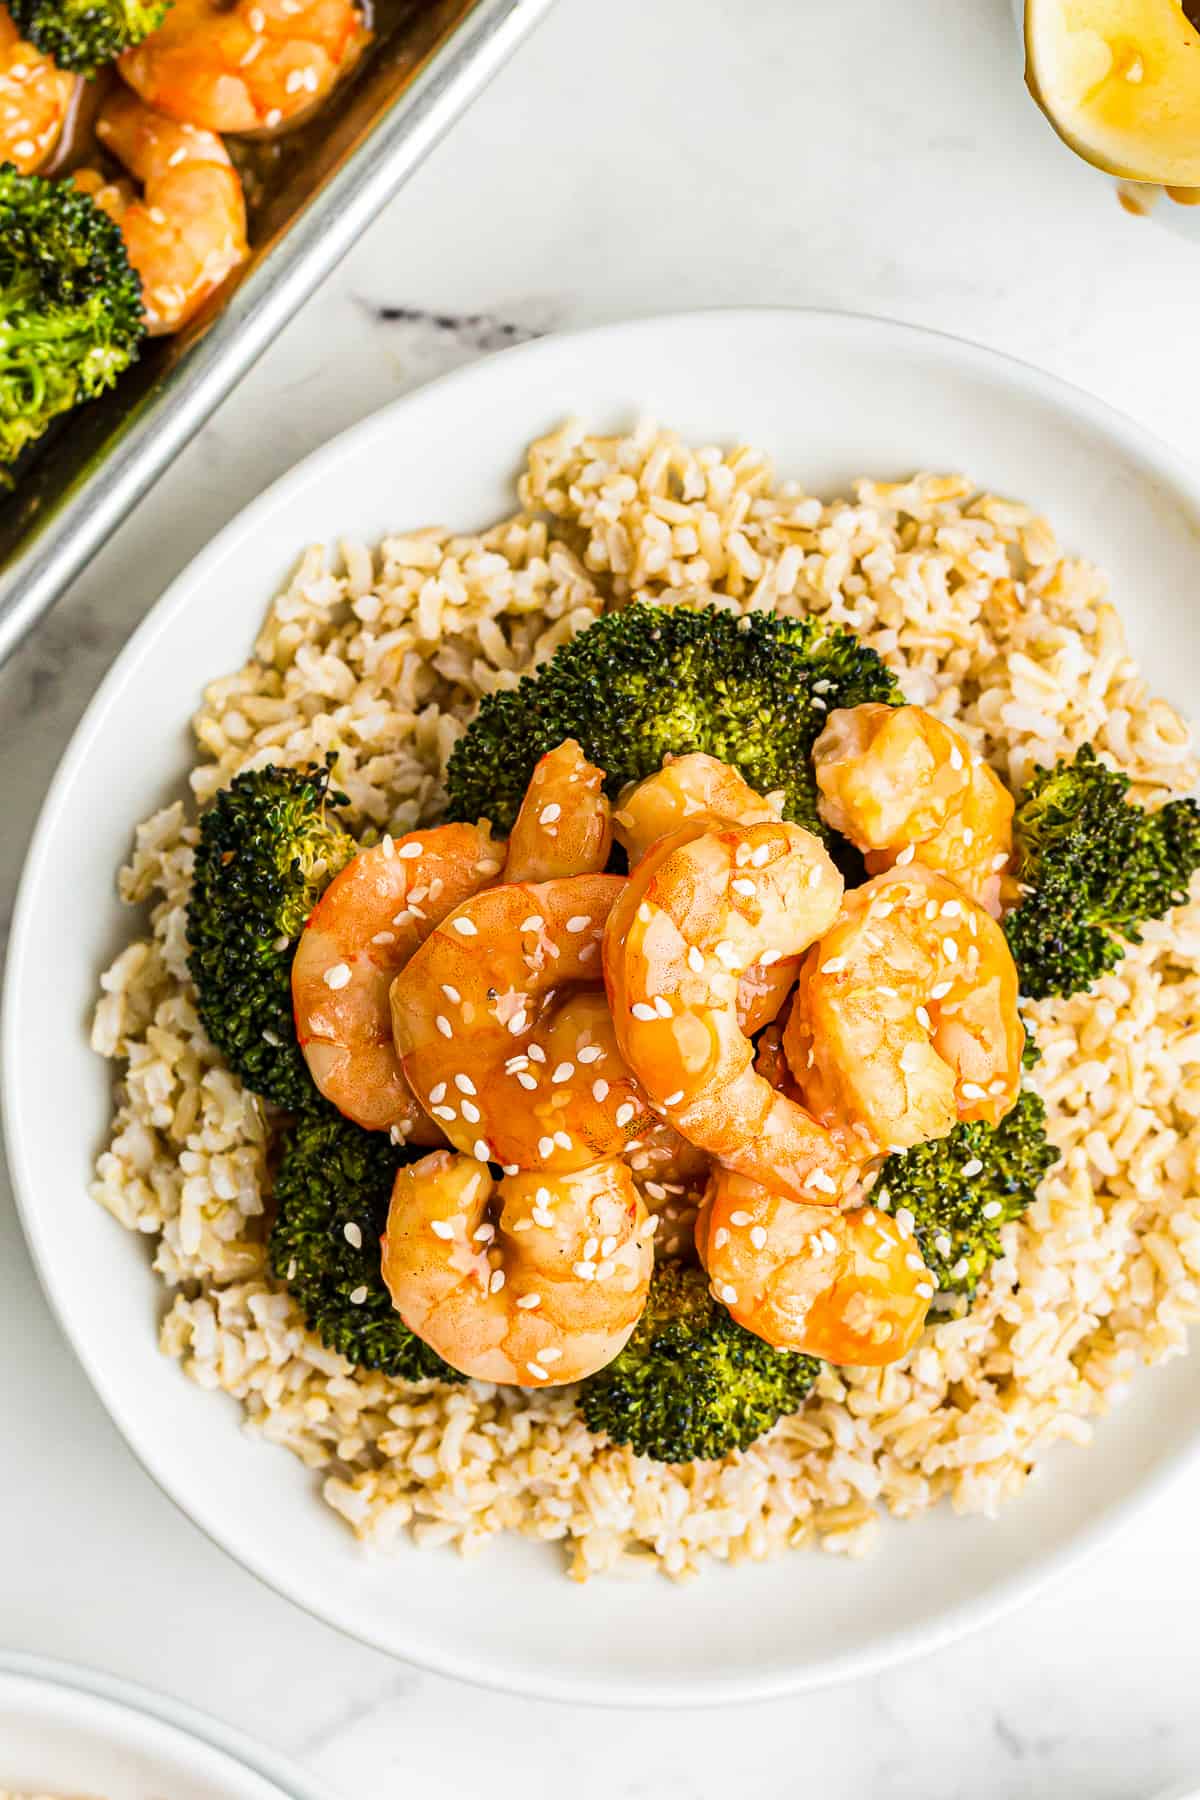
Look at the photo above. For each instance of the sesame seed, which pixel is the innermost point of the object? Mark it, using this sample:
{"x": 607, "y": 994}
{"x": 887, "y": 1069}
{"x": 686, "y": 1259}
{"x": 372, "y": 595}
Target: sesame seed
{"x": 528, "y": 1082}
{"x": 992, "y": 1210}
{"x": 545, "y": 1147}
{"x": 444, "y": 1026}
{"x": 923, "y": 1019}
{"x": 578, "y": 922}
{"x": 833, "y": 966}
{"x": 584, "y": 1271}
{"x": 758, "y": 1236}
{"x": 537, "y": 1371}
{"x": 727, "y": 954}
{"x": 358, "y": 1296}
{"x": 607, "y": 1246}
{"x": 383, "y": 938}
{"x": 551, "y": 1354}
{"x": 655, "y": 1189}
{"x": 452, "y": 994}
{"x": 626, "y": 1112}
{"x": 956, "y": 758}
{"x": 438, "y": 1094}
{"x": 550, "y": 813}
{"x": 695, "y": 960}
{"x": 942, "y": 1244}
{"x": 466, "y": 927}
{"x": 769, "y": 958}
{"x": 951, "y": 909}
{"x": 353, "y": 1234}
{"x": 971, "y": 1090}
{"x": 518, "y": 1023}
{"x": 828, "y": 1241}
{"x": 739, "y": 1218}
{"x": 410, "y": 851}
{"x": 925, "y": 1289}
{"x": 465, "y": 1085}
{"x": 337, "y": 976}
{"x": 728, "y": 1294}
{"x": 662, "y": 1006}
{"x": 536, "y": 1053}
{"x": 974, "y": 1167}
{"x": 759, "y": 857}
{"x": 959, "y": 1269}
{"x": 644, "y": 914}
{"x": 484, "y": 1234}
{"x": 999, "y": 860}
{"x": 441, "y": 1228}
{"x": 822, "y": 1182}
{"x": 673, "y": 1099}
{"x": 742, "y": 886}
{"x": 563, "y": 1072}
{"x": 590, "y": 1053}
{"x": 564, "y": 1140}
{"x": 941, "y": 990}
{"x": 906, "y": 855}
{"x": 482, "y": 1150}
{"x": 913, "y": 1261}
{"x": 599, "y": 1092}
{"x": 534, "y": 922}
{"x": 528, "y": 1302}
{"x": 470, "y": 1112}
{"x": 648, "y": 1227}
{"x": 641, "y": 1011}
{"x": 949, "y": 949}
{"x": 905, "y": 1223}
{"x": 497, "y": 1280}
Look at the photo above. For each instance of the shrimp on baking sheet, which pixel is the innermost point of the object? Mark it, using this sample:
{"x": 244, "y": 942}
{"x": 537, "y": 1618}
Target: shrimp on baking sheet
{"x": 700, "y": 908}
{"x": 905, "y": 1019}
{"x": 187, "y": 233}
{"x": 361, "y": 933}
{"x": 849, "y": 1287}
{"x": 255, "y": 66}
{"x": 903, "y": 786}
{"x": 500, "y": 1038}
{"x": 564, "y": 826}
{"x": 685, "y": 790}
{"x": 35, "y": 99}
{"x": 533, "y": 1281}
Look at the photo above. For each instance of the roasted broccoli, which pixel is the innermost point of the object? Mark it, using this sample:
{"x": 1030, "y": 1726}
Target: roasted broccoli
{"x": 963, "y": 1189}
{"x": 691, "y": 1384}
{"x": 332, "y": 1190}
{"x": 70, "y": 306}
{"x": 83, "y": 35}
{"x": 1094, "y": 866}
{"x": 268, "y": 847}
{"x": 753, "y": 690}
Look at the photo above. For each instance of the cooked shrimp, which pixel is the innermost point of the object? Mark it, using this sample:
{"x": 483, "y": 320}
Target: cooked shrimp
{"x": 905, "y": 787}
{"x": 499, "y": 1043}
{"x": 564, "y": 826}
{"x": 254, "y": 66}
{"x": 35, "y": 98}
{"x": 905, "y": 1019}
{"x": 532, "y": 1281}
{"x": 188, "y": 231}
{"x": 701, "y": 908}
{"x": 686, "y": 790}
{"x": 849, "y": 1287}
{"x": 363, "y": 930}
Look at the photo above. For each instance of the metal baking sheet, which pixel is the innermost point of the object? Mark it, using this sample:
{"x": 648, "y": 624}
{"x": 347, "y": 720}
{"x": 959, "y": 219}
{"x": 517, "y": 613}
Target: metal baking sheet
{"x": 310, "y": 194}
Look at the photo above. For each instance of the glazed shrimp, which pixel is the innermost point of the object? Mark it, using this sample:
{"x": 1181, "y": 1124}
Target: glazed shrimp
{"x": 257, "y": 65}
{"x": 188, "y": 231}
{"x": 700, "y": 908}
{"x": 499, "y": 1037}
{"x": 901, "y": 784}
{"x": 362, "y": 931}
{"x": 533, "y": 1281}
{"x": 849, "y": 1287}
{"x": 686, "y": 790}
{"x": 35, "y": 98}
{"x": 905, "y": 1019}
{"x": 564, "y": 826}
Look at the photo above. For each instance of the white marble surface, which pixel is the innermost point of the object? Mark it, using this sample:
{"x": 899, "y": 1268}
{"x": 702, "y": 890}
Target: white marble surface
{"x": 634, "y": 158}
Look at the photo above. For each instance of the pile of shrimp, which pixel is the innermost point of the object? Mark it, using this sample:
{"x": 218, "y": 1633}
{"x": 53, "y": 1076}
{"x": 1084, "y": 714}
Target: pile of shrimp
{"x": 579, "y": 1052}
{"x": 209, "y": 71}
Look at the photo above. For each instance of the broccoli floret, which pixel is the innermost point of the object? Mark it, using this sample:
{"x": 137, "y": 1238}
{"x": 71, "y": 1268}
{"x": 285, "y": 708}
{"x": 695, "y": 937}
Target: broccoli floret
{"x": 754, "y": 691}
{"x": 691, "y": 1384}
{"x": 1095, "y": 866}
{"x": 333, "y": 1174}
{"x": 268, "y": 848}
{"x": 83, "y": 35}
{"x": 963, "y": 1189}
{"x": 70, "y": 306}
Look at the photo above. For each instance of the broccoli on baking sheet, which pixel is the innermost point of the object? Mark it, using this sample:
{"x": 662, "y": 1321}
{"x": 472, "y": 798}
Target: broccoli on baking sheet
{"x": 962, "y": 1190}
{"x": 691, "y": 1384}
{"x": 333, "y": 1186}
{"x": 83, "y": 35}
{"x": 70, "y": 306}
{"x": 269, "y": 846}
{"x": 1094, "y": 867}
{"x": 753, "y": 690}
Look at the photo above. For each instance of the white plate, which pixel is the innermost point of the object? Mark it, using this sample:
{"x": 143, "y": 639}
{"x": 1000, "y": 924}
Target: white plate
{"x": 71, "y": 1732}
{"x": 831, "y": 397}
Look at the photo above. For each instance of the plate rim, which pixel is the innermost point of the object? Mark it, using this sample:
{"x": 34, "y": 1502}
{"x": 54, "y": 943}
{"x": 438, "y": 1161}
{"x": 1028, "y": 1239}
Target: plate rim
{"x": 187, "y": 1721}
{"x": 1167, "y": 463}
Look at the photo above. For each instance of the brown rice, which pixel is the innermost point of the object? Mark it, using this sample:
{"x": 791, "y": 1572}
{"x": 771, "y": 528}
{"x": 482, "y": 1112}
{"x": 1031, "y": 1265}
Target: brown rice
{"x": 379, "y": 655}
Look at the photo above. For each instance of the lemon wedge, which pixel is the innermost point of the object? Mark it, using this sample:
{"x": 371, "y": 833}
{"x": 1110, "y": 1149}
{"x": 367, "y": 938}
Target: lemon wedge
{"x": 1120, "y": 82}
